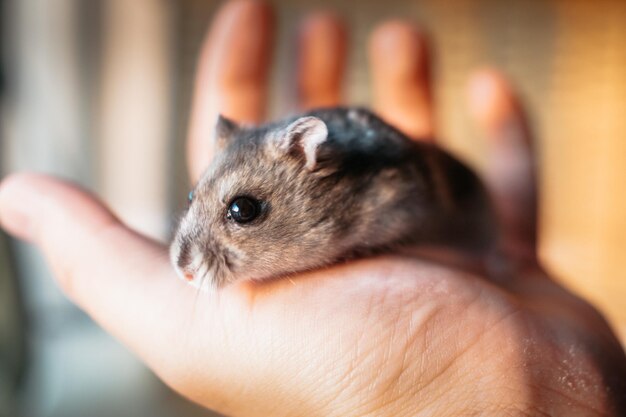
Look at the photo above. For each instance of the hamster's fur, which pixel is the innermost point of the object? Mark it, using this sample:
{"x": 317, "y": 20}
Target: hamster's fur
{"x": 328, "y": 185}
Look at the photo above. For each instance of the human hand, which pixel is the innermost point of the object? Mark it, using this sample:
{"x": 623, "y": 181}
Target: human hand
{"x": 387, "y": 336}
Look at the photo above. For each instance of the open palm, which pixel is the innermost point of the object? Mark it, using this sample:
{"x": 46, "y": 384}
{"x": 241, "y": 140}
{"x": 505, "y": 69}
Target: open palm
{"x": 394, "y": 335}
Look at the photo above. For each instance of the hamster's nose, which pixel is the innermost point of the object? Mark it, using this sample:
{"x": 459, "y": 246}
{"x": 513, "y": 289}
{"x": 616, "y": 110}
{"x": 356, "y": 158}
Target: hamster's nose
{"x": 184, "y": 260}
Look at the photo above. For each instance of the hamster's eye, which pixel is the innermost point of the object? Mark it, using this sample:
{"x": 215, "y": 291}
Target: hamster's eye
{"x": 190, "y": 196}
{"x": 243, "y": 209}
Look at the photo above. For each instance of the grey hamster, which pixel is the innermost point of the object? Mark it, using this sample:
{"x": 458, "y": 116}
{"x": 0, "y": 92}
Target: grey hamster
{"x": 322, "y": 187}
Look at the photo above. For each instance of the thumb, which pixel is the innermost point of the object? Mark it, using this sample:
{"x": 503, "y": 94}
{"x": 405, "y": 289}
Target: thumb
{"x": 121, "y": 279}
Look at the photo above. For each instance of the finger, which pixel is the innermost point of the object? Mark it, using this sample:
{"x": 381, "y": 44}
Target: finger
{"x": 232, "y": 75}
{"x": 118, "y": 277}
{"x": 400, "y": 65}
{"x": 321, "y": 60}
{"x": 511, "y": 171}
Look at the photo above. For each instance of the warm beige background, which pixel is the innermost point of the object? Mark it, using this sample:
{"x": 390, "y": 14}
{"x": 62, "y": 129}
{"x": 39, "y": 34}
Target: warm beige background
{"x": 584, "y": 148}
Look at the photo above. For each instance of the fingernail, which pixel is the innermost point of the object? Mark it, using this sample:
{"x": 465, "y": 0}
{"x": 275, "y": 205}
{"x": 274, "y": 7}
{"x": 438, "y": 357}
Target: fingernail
{"x": 16, "y": 207}
{"x": 401, "y": 44}
{"x": 482, "y": 94}
{"x": 490, "y": 101}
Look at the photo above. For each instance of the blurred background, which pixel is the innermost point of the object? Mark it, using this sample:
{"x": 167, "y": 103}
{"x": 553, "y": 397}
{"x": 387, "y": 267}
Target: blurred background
{"x": 98, "y": 92}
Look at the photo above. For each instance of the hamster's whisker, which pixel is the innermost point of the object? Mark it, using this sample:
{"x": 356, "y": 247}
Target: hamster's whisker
{"x": 204, "y": 278}
{"x": 227, "y": 260}
{"x": 202, "y": 270}
{"x": 209, "y": 258}
{"x": 197, "y": 297}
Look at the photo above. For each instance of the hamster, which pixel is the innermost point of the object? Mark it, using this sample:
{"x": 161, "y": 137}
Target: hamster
{"x": 322, "y": 187}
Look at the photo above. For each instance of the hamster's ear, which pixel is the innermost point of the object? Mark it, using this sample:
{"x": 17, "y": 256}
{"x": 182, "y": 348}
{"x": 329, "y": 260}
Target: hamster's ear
{"x": 306, "y": 134}
{"x": 224, "y": 131}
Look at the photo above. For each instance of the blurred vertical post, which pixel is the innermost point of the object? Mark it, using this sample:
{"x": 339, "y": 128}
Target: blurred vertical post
{"x": 136, "y": 111}
{"x": 45, "y": 117}
{"x": 12, "y": 334}
{"x": 45, "y": 122}
{"x": 12, "y": 328}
